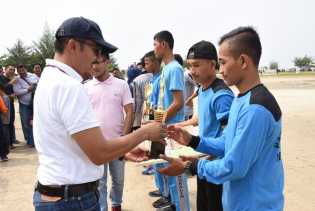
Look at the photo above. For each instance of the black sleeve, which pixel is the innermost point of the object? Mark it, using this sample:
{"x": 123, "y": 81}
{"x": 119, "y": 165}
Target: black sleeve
{"x": 194, "y": 142}
{"x": 223, "y": 122}
{"x": 194, "y": 167}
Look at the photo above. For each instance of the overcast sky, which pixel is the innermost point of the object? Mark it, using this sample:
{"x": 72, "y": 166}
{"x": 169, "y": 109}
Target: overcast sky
{"x": 286, "y": 27}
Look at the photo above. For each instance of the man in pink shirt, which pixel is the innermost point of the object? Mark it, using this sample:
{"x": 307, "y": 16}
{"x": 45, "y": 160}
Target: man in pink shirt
{"x": 113, "y": 105}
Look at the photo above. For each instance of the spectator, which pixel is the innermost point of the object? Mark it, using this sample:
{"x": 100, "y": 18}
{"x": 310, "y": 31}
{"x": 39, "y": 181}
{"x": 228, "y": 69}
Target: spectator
{"x": 37, "y": 69}
{"x": 109, "y": 95}
{"x": 4, "y": 125}
{"x": 7, "y": 80}
{"x": 24, "y": 89}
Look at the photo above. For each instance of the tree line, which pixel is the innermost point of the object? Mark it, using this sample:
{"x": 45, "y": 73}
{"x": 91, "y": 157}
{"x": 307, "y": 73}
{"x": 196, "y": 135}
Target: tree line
{"x": 36, "y": 53}
{"x": 42, "y": 49}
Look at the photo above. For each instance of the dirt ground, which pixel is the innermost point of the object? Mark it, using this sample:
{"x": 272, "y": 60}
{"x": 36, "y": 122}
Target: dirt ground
{"x": 296, "y": 98}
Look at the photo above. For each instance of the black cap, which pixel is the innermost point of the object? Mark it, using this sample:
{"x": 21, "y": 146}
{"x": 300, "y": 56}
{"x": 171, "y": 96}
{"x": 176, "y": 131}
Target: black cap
{"x": 79, "y": 27}
{"x": 203, "y": 50}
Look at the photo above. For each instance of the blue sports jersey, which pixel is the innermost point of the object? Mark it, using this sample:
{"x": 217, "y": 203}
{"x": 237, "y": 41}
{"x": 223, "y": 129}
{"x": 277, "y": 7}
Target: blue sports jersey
{"x": 154, "y": 98}
{"x": 213, "y": 108}
{"x": 251, "y": 168}
{"x": 173, "y": 76}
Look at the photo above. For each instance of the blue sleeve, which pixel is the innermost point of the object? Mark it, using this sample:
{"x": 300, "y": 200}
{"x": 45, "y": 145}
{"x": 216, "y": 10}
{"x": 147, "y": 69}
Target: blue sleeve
{"x": 176, "y": 79}
{"x": 212, "y": 146}
{"x": 221, "y": 103}
{"x": 154, "y": 98}
{"x": 249, "y": 139}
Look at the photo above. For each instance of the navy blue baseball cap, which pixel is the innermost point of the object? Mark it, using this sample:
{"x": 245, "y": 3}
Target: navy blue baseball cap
{"x": 83, "y": 28}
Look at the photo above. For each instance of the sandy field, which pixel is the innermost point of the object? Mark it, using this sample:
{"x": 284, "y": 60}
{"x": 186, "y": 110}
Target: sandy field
{"x": 295, "y": 95}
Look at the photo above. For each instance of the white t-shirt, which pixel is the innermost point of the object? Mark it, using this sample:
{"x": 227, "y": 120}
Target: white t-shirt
{"x": 62, "y": 108}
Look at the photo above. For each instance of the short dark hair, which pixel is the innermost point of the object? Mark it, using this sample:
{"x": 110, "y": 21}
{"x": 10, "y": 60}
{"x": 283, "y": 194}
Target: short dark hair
{"x": 141, "y": 62}
{"x": 244, "y": 40}
{"x": 60, "y": 44}
{"x": 19, "y": 66}
{"x": 151, "y": 55}
{"x": 179, "y": 59}
{"x": 8, "y": 65}
{"x": 165, "y": 36}
{"x": 37, "y": 64}
{"x": 105, "y": 54}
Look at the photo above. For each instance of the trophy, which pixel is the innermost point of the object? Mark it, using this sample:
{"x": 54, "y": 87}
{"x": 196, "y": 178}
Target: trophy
{"x": 156, "y": 147}
{"x": 158, "y": 115}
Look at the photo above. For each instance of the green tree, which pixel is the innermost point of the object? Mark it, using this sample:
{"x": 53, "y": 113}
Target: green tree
{"x": 44, "y": 47}
{"x": 112, "y": 63}
{"x": 18, "y": 54}
{"x": 3, "y": 60}
{"x": 273, "y": 65}
{"x": 302, "y": 61}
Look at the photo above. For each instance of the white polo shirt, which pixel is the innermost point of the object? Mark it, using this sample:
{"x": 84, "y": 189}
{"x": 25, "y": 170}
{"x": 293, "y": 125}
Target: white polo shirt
{"x": 62, "y": 108}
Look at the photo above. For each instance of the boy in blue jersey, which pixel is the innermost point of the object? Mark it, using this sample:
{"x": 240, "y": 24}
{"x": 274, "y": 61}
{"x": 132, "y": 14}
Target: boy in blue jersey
{"x": 251, "y": 168}
{"x": 172, "y": 78}
{"x": 214, "y": 102}
{"x": 171, "y": 102}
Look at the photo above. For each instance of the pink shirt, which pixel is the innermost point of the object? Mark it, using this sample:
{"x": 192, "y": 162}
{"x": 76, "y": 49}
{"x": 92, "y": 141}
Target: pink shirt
{"x": 108, "y": 99}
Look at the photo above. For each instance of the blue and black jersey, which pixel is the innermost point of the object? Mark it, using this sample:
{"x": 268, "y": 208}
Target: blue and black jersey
{"x": 213, "y": 108}
{"x": 251, "y": 168}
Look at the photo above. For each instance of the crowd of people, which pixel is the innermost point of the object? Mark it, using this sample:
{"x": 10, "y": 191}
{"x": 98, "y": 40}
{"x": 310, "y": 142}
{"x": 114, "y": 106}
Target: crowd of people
{"x": 17, "y": 83}
{"x": 86, "y": 122}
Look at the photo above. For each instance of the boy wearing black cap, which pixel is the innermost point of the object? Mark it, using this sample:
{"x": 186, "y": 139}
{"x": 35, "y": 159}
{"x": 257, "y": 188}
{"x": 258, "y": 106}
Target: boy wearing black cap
{"x": 70, "y": 144}
{"x": 214, "y": 102}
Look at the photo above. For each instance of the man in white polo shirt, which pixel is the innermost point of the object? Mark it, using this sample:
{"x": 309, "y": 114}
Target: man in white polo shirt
{"x": 67, "y": 136}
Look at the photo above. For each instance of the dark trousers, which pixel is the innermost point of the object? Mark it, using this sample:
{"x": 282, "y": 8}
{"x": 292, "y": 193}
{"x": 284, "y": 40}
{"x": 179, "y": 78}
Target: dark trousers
{"x": 4, "y": 140}
{"x": 11, "y": 125}
{"x": 209, "y": 196}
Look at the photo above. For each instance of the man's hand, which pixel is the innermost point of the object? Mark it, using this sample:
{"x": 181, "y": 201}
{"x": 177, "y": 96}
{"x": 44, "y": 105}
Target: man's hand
{"x": 13, "y": 80}
{"x": 189, "y": 102}
{"x": 155, "y": 131}
{"x": 180, "y": 124}
{"x": 31, "y": 88}
{"x": 147, "y": 122}
{"x": 12, "y": 96}
{"x": 176, "y": 167}
{"x": 178, "y": 134}
{"x": 188, "y": 158}
{"x": 137, "y": 155}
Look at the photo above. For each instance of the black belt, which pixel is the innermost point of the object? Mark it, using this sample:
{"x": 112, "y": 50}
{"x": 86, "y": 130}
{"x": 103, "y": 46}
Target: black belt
{"x": 67, "y": 190}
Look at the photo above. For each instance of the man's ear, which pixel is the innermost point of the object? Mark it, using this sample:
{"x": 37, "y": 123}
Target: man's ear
{"x": 71, "y": 44}
{"x": 244, "y": 60}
